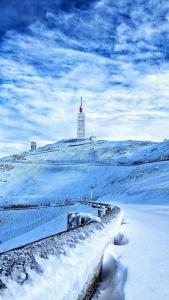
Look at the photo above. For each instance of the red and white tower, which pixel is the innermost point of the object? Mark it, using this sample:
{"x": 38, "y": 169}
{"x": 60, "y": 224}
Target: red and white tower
{"x": 81, "y": 122}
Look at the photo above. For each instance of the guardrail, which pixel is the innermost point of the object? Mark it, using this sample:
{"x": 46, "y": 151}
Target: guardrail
{"x": 19, "y": 257}
{"x": 103, "y": 210}
{"x": 75, "y": 219}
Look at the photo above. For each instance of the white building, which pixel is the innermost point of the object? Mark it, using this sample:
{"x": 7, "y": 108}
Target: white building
{"x": 81, "y": 122}
{"x": 33, "y": 146}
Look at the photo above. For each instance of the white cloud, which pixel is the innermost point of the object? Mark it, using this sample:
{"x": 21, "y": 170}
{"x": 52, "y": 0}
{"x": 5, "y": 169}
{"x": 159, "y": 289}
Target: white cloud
{"x": 114, "y": 63}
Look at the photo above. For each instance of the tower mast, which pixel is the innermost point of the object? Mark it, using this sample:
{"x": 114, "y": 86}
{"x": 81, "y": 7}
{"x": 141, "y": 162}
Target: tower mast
{"x": 81, "y": 122}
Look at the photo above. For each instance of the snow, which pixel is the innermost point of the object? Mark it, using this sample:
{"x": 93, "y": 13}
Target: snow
{"x": 64, "y": 276}
{"x": 22, "y": 227}
{"x": 86, "y": 216}
{"x": 147, "y": 254}
{"x": 132, "y": 174}
{"x": 113, "y": 278}
{"x": 139, "y": 269}
{"x": 67, "y": 169}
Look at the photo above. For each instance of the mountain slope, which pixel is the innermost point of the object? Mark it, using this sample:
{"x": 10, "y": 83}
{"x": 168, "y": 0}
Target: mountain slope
{"x": 129, "y": 171}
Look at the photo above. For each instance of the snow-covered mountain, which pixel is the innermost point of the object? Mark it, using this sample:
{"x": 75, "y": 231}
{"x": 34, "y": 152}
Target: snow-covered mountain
{"x": 128, "y": 171}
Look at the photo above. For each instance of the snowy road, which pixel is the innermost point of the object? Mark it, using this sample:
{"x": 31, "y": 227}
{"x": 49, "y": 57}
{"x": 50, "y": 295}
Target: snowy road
{"x": 66, "y": 164}
{"x": 87, "y": 164}
{"x": 138, "y": 269}
{"x": 147, "y": 254}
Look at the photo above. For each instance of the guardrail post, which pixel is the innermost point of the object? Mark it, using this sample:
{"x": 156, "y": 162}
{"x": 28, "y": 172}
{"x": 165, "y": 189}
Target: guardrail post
{"x": 69, "y": 221}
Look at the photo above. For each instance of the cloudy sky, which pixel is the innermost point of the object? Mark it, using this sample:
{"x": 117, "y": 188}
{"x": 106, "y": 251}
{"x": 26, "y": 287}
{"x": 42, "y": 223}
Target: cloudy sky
{"x": 113, "y": 53}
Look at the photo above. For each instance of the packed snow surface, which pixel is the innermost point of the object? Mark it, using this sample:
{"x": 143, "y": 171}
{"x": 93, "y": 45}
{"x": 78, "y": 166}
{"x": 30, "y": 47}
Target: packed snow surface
{"x": 138, "y": 268}
{"x": 147, "y": 254}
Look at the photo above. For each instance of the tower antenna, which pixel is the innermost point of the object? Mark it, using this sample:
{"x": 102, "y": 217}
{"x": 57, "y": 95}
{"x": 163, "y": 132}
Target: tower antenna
{"x": 81, "y": 122}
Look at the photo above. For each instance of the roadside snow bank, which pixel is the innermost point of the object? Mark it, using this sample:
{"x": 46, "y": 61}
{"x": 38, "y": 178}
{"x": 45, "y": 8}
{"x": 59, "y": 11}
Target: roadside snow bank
{"x": 113, "y": 277}
{"x": 64, "y": 277}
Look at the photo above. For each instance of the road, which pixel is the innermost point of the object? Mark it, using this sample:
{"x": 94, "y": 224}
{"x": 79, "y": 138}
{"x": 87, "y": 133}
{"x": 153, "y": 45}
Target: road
{"x": 82, "y": 164}
{"x": 146, "y": 256}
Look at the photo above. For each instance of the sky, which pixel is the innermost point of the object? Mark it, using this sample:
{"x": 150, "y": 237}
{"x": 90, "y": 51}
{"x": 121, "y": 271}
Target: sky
{"x": 113, "y": 53}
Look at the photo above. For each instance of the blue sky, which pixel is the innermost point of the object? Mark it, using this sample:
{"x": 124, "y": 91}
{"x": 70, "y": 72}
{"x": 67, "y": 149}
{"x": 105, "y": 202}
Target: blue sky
{"x": 113, "y": 53}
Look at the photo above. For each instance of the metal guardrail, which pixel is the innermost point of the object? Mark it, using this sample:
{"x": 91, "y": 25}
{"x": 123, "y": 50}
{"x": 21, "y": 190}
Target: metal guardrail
{"x": 26, "y": 207}
{"x": 75, "y": 219}
{"x": 104, "y": 209}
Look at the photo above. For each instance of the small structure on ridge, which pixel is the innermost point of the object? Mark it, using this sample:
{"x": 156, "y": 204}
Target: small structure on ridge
{"x": 33, "y": 146}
